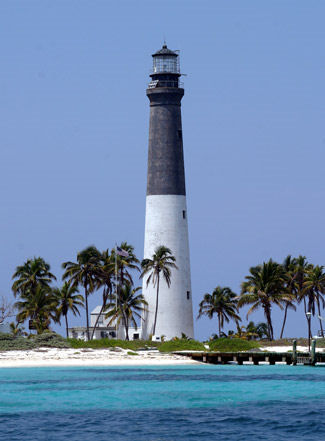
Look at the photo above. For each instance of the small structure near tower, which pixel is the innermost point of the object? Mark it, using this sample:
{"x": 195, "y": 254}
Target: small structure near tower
{"x": 166, "y": 212}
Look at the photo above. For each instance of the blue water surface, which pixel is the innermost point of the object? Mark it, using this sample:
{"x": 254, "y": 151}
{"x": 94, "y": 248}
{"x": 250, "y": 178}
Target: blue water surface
{"x": 203, "y": 402}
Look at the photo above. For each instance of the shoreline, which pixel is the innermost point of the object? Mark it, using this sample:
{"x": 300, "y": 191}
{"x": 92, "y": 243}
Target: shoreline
{"x": 86, "y": 357}
{"x": 52, "y": 357}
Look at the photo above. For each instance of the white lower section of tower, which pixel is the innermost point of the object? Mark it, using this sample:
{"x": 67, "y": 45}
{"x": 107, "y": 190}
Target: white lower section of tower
{"x": 166, "y": 224}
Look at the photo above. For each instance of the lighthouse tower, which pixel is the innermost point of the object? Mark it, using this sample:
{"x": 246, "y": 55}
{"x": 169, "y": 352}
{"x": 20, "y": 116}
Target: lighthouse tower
{"x": 166, "y": 213}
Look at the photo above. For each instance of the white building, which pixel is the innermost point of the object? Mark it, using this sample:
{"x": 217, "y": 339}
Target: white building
{"x": 103, "y": 329}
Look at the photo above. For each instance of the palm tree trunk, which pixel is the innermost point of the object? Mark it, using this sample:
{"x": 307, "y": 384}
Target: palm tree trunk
{"x": 269, "y": 323}
{"x": 305, "y": 309}
{"x": 284, "y": 320}
{"x": 124, "y": 320}
{"x": 87, "y": 318}
{"x": 66, "y": 324}
{"x": 219, "y": 325}
{"x": 100, "y": 313}
{"x": 156, "y": 312}
{"x": 320, "y": 321}
{"x": 96, "y": 322}
{"x": 127, "y": 330}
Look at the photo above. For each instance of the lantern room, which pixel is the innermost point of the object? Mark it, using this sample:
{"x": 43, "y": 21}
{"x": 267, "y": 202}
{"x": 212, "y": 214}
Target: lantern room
{"x": 165, "y": 69}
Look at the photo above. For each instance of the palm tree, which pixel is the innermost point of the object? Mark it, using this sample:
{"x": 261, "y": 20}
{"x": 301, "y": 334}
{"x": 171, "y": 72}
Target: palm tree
{"x": 84, "y": 272}
{"x": 32, "y": 273}
{"x": 105, "y": 275}
{"x": 301, "y": 268}
{"x": 162, "y": 261}
{"x": 262, "y": 330}
{"x": 222, "y": 302}
{"x": 129, "y": 307}
{"x": 123, "y": 265}
{"x": 314, "y": 288}
{"x": 68, "y": 299}
{"x": 264, "y": 287}
{"x": 289, "y": 268}
{"x": 40, "y": 306}
{"x": 17, "y": 330}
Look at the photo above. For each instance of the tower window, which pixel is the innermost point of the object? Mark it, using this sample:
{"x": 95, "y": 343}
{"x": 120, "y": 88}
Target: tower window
{"x": 188, "y": 295}
{"x": 184, "y": 214}
{"x": 180, "y": 135}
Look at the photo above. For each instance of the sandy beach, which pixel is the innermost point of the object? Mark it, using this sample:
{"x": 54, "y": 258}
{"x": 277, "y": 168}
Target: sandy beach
{"x": 46, "y": 357}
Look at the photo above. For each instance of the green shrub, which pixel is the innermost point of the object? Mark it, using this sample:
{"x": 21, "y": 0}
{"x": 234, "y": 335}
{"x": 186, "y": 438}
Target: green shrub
{"x": 111, "y": 343}
{"x": 50, "y": 340}
{"x": 180, "y": 344}
{"x": 232, "y": 345}
{"x": 9, "y": 342}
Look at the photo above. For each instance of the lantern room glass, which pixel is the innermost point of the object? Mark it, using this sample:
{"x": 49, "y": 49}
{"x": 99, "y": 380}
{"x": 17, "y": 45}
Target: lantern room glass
{"x": 165, "y": 64}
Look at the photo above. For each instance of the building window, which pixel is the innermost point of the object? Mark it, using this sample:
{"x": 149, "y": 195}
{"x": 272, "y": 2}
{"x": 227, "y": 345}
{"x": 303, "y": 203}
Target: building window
{"x": 188, "y": 295}
{"x": 180, "y": 135}
{"x": 100, "y": 320}
{"x": 184, "y": 214}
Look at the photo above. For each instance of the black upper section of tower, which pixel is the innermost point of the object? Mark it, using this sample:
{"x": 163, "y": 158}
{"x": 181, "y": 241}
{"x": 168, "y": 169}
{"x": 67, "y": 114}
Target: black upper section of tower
{"x": 165, "y": 157}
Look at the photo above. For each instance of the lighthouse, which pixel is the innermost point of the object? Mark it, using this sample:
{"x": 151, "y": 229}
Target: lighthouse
{"x": 166, "y": 212}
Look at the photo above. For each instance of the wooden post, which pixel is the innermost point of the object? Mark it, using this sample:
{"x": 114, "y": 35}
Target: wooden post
{"x": 294, "y": 353}
{"x": 313, "y": 353}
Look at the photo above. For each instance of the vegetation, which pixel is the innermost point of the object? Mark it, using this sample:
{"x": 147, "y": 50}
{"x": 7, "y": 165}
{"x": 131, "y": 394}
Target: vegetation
{"x": 263, "y": 288}
{"x": 32, "y": 273}
{"x": 83, "y": 273}
{"x": 112, "y": 343}
{"x": 127, "y": 307}
{"x": 267, "y": 286}
{"x": 105, "y": 278}
{"x": 232, "y": 345}
{"x": 181, "y": 344}
{"x": 6, "y": 309}
{"x": 39, "y": 306}
{"x": 223, "y": 303}
{"x": 46, "y": 340}
{"x": 68, "y": 299}
{"x": 161, "y": 262}
{"x": 36, "y": 299}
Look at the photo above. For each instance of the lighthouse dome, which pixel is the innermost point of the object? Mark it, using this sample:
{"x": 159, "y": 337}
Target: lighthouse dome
{"x": 165, "y": 61}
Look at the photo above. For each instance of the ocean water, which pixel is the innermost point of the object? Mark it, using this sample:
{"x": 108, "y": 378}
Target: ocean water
{"x": 203, "y": 402}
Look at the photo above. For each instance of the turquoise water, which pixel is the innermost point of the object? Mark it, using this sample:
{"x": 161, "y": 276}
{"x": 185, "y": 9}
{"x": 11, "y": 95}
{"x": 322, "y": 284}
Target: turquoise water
{"x": 163, "y": 403}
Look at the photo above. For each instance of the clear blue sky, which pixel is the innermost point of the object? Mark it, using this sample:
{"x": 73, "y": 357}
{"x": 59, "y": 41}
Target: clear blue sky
{"x": 74, "y": 129}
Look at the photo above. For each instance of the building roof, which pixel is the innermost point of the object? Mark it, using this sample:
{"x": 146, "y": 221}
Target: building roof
{"x": 165, "y": 51}
{"x": 96, "y": 310}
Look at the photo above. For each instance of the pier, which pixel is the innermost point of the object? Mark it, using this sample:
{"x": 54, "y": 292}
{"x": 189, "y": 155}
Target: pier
{"x": 259, "y": 357}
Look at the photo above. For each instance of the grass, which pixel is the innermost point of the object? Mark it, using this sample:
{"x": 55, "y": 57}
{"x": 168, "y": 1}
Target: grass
{"x": 131, "y": 353}
{"x": 51, "y": 340}
{"x": 180, "y": 344}
{"x": 110, "y": 343}
{"x": 233, "y": 345}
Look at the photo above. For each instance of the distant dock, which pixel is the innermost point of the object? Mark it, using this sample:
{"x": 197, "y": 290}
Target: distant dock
{"x": 290, "y": 358}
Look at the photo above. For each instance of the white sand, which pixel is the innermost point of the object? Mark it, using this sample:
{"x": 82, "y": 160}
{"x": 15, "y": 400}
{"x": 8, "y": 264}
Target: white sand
{"x": 46, "y": 357}
{"x": 288, "y": 348}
